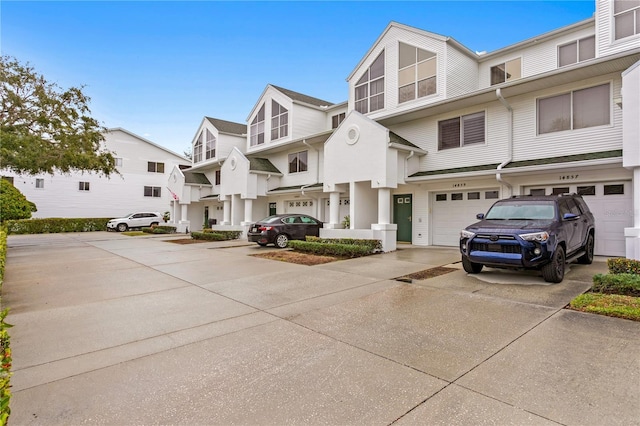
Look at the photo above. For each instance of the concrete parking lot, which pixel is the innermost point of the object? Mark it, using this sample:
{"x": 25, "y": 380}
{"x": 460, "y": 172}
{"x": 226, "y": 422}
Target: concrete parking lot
{"x": 112, "y": 329}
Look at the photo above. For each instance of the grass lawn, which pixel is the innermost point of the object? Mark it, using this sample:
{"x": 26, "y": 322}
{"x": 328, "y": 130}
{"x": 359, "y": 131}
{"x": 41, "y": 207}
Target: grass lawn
{"x": 613, "y": 305}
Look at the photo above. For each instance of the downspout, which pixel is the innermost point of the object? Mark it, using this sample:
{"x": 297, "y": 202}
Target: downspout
{"x": 509, "y": 142}
{"x": 406, "y": 164}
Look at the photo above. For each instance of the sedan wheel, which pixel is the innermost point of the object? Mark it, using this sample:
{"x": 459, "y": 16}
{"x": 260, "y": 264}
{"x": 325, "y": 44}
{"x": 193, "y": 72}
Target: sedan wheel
{"x": 282, "y": 240}
{"x": 122, "y": 227}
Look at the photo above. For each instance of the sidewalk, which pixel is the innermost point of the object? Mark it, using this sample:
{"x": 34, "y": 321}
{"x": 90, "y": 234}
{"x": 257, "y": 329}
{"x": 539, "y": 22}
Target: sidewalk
{"x": 135, "y": 330}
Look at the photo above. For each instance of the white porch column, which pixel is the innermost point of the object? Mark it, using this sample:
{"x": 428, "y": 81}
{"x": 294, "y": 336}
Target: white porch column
{"x": 183, "y": 223}
{"x": 384, "y": 205}
{"x": 632, "y": 235}
{"x": 334, "y": 211}
{"x": 248, "y": 212}
{"x": 226, "y": 212}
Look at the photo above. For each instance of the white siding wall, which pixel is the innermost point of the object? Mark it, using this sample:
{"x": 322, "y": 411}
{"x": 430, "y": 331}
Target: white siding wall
{"x": 107, "y": 197}
{"x": 606, "y": 45}
{"x": 528, "y": 145}
{"x": 307, "y": 121}
{"x": 462, "y": 73}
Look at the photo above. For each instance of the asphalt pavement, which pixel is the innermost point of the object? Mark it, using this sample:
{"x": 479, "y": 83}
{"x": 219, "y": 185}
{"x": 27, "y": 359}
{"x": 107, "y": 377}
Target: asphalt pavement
{"x": 111, "y": 329}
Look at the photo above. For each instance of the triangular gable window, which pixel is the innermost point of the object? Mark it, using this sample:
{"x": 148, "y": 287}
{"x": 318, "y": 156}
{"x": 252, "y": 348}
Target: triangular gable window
{"x": 257, "y": 128}
{"x": 417, "y": 73}
{"x": 369, "y": 89}
{"x": 279, "y": 121}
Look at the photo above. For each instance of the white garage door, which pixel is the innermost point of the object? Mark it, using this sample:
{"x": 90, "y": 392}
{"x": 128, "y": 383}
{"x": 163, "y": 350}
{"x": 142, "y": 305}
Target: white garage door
{"x": 612, "y": 207}
{"x": 302, "y": 206}
{"x": 453, "y": 211}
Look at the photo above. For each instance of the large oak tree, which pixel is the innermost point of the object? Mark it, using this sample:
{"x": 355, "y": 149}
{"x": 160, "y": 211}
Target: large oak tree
{"x": 46, "y": 129}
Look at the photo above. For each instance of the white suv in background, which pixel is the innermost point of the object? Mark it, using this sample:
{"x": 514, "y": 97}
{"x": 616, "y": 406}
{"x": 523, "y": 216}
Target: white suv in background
{"x": 135, "y": 220}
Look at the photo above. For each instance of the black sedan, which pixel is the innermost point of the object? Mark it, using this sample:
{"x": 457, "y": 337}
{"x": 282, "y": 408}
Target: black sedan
{"x": 280, "y": 228}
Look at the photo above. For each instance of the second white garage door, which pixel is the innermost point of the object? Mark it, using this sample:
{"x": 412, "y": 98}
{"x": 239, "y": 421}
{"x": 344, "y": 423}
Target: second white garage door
{"x": 453, "y": 211}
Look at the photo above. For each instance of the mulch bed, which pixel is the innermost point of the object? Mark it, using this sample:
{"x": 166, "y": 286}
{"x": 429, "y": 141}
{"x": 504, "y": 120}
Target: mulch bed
{"x": 426, "y": 274}
{"x": 186, "y": 241}
{"x": 296, "y": 257}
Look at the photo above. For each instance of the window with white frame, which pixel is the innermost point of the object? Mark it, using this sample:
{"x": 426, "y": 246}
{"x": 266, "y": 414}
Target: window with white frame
{"x": 197, "y": 148}
{"x": 39, "y": 183}
{"x": 83, "y": 186}
{"x": 337, "y": 119}
{"x": 369, "y": 89}
{"x": 257, "y": 128}
{"x": 154, "y": 167}
{"x": 575, "y": 110}
{"x": 279, "y": 121}
{"x": 507, "y": 71}
{"x": 217, "y": 178}
{"x": 461, "y": 131}
{"x": 626, "y": 17}
{"x": 210, "y": 148}
{"x": 153, "y": 191}
{"x": 298, "y": 162}
{"x": 577, "y": 51}
{"x": 417, "y": 69}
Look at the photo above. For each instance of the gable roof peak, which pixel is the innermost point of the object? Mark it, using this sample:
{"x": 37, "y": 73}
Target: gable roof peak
{"x": 296, "y": 96}
{"x": 228, "y": 126}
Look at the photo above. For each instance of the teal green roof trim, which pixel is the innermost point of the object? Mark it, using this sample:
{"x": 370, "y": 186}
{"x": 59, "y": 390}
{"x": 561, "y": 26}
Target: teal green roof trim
{"x": 196, "y": 178}
{"x": 526, "y": 163}
{"x": 394, "y": 138}
{"x": 297, "y": 187}
{"x": 262, "y": 165}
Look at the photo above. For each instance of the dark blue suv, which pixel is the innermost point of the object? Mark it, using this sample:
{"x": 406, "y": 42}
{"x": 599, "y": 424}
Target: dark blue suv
{"x": 530, "y": 232}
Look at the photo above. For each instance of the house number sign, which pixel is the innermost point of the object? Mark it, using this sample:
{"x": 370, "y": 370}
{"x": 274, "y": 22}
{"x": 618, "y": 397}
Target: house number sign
{"x": 459, "y": 185}
{"x": 568, "y": 177}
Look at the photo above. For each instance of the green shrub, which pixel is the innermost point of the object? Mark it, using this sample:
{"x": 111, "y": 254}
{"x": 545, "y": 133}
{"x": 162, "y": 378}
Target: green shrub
{"x": 374, "y": 245}
{"x": 56, "y": 225}
{"x": 5, "y": 349}
{"x": 331, "y": 249}
{"x": 613, "y": 305}
{"x": 160, "y": 229}
{"x": 216, "y": 235}
{"x": 621, "y": 265}
{"x": 624, "y": 284}
{"x": 13, "y": 204}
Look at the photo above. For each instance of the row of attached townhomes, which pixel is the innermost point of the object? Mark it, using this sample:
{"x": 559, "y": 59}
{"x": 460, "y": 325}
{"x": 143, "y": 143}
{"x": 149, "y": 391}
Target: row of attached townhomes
{"x": 141, "y": 185}
{"x": 433, "y": 133}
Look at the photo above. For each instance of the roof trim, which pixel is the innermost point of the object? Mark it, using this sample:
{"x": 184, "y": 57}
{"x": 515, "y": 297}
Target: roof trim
{"x": 120, "y": 129}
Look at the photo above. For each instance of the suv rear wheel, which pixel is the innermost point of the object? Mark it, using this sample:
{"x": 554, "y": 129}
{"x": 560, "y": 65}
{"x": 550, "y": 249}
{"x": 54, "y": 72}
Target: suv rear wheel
{"x": 471, "y": 267}
{"x": 587, "y": 257}
{"x": 553, "y": 272}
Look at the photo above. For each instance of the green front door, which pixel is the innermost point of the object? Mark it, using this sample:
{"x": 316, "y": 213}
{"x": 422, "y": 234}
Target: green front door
{"x": 402, "y": 216}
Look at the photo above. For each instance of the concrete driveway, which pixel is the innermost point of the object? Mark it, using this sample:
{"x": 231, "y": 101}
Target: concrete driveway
{"x": 113, "y": 329}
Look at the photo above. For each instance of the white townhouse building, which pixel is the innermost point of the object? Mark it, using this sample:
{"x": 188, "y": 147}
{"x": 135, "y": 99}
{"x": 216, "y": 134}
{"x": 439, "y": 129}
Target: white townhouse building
{"x": 433, "y": 133}
{"x": 144, "y": 169}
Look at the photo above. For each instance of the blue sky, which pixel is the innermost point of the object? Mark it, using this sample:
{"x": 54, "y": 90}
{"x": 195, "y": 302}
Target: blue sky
{"x": 156, "y": 68}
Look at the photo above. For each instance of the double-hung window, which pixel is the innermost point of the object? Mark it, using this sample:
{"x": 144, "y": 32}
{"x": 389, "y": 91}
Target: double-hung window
{"x": 337, "y": 119}
{"x": 507, "y": 71}
{"x": 153, "y": 191}
{"x": 626, "y": 16}
{"x": 83, "y": 186}
{"x": 279, "y": 121}
{"x": 197, "y": 149}
{"x": 217, "y": 179}
{"x": 369, "y": 89}
{"x": 575, "y": 110}
{"x": 417, "y": 70}
{"x": 153, "y": 167}
{"x": 298, "y": 162}
{"x": 39, "y": 183}
{"x": 210, "y": 151}
{"x": 577, "y": 51}
{"x": 257, "y": 128}
{"x": 461, "y": 131}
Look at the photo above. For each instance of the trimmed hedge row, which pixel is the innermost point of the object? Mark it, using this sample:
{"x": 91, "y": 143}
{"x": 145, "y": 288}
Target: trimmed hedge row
{"x": 621, "y": 265}
{"x": 56, "y": 225}
{"x": 5, "y": 349}
{"x": 331, "y": 249}
{"x": 374, "y": 245}
{"x": 216, "y": 235}
{"x": 624, "y": 284}
{"x": 160, "y": 229}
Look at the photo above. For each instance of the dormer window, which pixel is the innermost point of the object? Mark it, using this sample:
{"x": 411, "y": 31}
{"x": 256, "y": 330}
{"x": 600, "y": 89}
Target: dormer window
{"x": 279, "y": 121}
{"x": 257, "y": 128}
{"x": 507, "y": 71}
{"x": 210, "y": 151}
{"x": 626, "y": 16}
{"x": 577, "y": 51}
{"x": 197, "y": 149}
{"x": 369, "y": 94}
{"x": 417, "y": 69}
